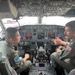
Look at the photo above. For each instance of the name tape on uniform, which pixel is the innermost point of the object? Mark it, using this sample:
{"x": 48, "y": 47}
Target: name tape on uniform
{"x": 68, "y": 48}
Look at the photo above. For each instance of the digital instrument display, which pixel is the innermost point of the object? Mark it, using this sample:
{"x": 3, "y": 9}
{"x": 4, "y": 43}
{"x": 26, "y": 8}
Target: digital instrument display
{"x": 28, "y": 35}
{"x": 51, "y": 35}
{"x": 40, "y": 35}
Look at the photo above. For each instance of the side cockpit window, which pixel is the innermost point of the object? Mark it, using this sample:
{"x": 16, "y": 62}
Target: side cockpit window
{"x": 2, "y": 35}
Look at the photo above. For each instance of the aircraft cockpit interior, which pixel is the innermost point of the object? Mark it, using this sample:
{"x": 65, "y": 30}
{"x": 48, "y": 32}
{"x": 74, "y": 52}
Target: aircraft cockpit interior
{"x": 39, "y": 22}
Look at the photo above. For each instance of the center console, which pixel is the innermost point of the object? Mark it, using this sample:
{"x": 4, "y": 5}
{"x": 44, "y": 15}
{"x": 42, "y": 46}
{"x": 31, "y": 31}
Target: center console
{"x": 41, "y": 65}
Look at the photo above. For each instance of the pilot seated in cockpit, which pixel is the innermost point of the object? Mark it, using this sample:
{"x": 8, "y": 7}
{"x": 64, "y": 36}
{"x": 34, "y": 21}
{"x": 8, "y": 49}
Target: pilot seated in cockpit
{"x": 12, "y": 37}
{"x": 66, "y": 57}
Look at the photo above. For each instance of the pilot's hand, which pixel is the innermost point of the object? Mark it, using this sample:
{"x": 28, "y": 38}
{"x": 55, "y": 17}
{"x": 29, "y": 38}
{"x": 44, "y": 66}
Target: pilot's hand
{"x": 57, "y": 40}
{"x": 26, "y": 56}
{"x": 58, "y": 48}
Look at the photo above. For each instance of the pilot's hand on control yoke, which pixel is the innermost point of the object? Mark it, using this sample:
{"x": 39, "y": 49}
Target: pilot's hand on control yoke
{"x": 26, "y": 56}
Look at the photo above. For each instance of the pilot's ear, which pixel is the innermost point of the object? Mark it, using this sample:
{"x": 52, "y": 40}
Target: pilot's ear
{"x": 11, "y": 40}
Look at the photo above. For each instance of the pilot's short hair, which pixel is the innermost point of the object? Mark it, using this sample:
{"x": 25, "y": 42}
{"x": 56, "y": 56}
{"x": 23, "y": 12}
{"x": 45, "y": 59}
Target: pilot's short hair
{"x": 10, "y": 33}
{"x": 71, "y": 24}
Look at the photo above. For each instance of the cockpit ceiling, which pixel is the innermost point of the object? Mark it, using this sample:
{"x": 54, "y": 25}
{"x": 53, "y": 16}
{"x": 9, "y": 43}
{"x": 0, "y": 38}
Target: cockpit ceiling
{"x": 45, "y": 7}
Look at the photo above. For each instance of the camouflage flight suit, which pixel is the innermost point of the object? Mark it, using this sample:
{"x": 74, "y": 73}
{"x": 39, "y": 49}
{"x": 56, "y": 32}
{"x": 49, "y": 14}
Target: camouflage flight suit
{"x": 16, "y": 62}
{"x": 66, "y": 57}
{"x": 6, "y": 61}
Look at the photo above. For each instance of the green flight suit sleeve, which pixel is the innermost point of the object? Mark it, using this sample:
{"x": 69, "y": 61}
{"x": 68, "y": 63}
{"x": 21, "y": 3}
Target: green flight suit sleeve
{"x": 69, "y": 52}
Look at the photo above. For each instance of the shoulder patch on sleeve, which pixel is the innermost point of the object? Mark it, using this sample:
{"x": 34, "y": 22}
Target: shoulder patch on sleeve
{"x": 16, "y": 59}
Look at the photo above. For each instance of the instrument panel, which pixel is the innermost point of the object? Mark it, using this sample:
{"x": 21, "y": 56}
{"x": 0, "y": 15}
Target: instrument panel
{"x": 42, "y": 33}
